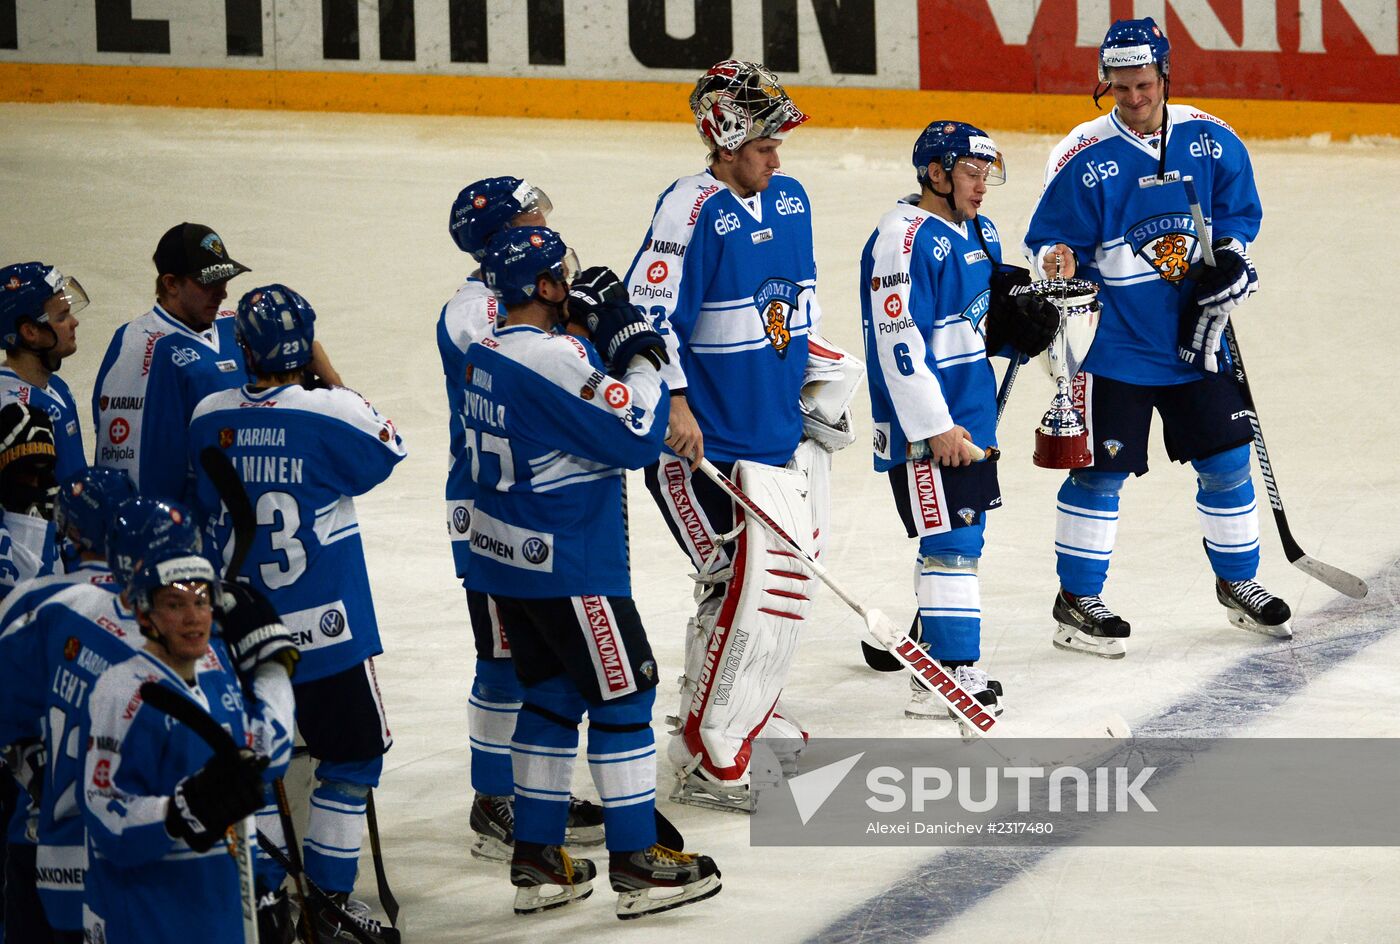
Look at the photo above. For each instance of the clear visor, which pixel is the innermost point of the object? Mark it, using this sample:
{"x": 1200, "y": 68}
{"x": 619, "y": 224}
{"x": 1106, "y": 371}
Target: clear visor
{"x": 568, "y": 267}
{"x": 532, "y": 200}
{"x": 992, "y": 173}
{"x": 73, "y": 293}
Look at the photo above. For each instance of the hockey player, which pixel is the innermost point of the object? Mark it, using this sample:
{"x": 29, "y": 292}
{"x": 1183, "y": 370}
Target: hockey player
{"x": 57, "y": 634}
{"x": 157, "y": 805}
{"x": 302, "y": 455}
{"x": 553, "y": 422}
{"x": 38, "y": 330}
{"x": 728, "y": 278}
{"x": 481, "y": 210}
{"x": 935, "y": 302}
{"x": 1114, "y": 211}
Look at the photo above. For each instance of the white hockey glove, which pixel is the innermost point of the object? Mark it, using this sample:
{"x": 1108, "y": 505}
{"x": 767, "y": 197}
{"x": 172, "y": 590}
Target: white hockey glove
{"x": 1219, "y": 290}
{"x": 832, "y": 377}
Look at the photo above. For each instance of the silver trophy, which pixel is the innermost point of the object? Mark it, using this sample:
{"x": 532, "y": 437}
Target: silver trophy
{"x": 1062, "y": 441}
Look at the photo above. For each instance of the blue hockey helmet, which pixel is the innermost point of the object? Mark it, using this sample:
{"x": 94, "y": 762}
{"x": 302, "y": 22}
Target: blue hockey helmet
{"x": 276, "y": 326}
{"x": 488, "y": 206}
{"x": 24, "y": 290}
{"x": 942, "y": 143}
{"x": 86, "y": 503}
{"x": 1132, "y": 43}
{"x": 516, "y": 258}
{"x": 153, "y": 544}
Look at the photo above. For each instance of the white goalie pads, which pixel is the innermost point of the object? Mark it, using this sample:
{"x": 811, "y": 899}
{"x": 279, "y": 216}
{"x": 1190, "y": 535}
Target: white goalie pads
{"x": 832, "y": 378}
{"x": 739, "y": 651}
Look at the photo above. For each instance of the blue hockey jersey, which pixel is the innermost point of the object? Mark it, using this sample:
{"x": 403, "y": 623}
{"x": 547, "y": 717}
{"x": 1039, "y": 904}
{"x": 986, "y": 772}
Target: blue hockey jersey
{"x": 154, "y": 374}
{"x": 57, "y": 401}
{"x": 924, "y": 296}
{"x": 142, "y": 884}
{"x": 28, "y": 549}
{"x": 302, "y": 454}
{"x": 730, "y": 284}
{"x": 72, "y": 628}
{"x": 1135, "y": 237}
{"x": 469, "y": 316}
{"x": 548, "y": 434}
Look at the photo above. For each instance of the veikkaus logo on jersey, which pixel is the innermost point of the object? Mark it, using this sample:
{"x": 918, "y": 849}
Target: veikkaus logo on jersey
{"x": 913, "y": 228}
{"x": 151, "y": 338}
{"x": 776, "y": 300}
{"x": 700, "y": 199}
{"x": 1166, "y": 242}
{"x": 787, "y": 205}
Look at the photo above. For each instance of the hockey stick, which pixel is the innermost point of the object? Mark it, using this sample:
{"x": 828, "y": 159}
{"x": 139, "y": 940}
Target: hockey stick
{"x": 387, "y": 900}
{"x": 1334, "y": 577}
{"x": 323, "y": 898}
{"x": 932, "y": 675}
{"x": 169, "y": 702}
{"x": 221, "y": 472}
{"x": 297, "y": 869}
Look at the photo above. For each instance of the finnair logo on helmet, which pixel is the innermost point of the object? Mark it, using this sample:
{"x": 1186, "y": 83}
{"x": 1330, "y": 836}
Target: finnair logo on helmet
{"x": 982, "y": 146}
{"x": 1117, "y": 57}
{"x": 183, "y": 569}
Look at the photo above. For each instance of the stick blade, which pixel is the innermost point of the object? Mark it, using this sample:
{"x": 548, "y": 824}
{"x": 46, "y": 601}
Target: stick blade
{"x": 1334, "y": 577}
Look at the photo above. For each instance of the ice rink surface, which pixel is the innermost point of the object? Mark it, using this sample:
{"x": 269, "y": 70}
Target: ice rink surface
{"x": 352, "y": 211}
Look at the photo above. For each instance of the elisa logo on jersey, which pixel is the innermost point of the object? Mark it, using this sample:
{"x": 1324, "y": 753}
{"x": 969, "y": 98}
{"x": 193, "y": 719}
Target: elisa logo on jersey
{"x": 461, "y": 519}
{"x": 617, "y": 395}
{"x": 71, "y": 648}
{"x": 787, "y": 205}
{"x": 534, "y": 550}
{"x": 1166, "y": 243}
{"x": 331, "y": 623}
{"x": 726, "y": 223}
{"x": 184, "y": 356}
{"x": 226, "y": 438}
{"x": 894, "y": 305}
{"x": 118, "y": 430}
{"x": 657, "y": 272}
{"x": 776, "y": 300}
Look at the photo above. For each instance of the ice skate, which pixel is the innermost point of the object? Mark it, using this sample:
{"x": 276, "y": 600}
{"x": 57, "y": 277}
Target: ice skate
{"x": 275, "y": 924}
{"x": 695, "y": 787}
{"x": 1087, "y": 625}
{"x": 1249, "y": 606}
{"x": 925, "y": 705}
{"x": 547, "y": 877}
{"x": 493, "y": 822}
{"x": 658, "y": 879}
{"x": 335, "y": 926}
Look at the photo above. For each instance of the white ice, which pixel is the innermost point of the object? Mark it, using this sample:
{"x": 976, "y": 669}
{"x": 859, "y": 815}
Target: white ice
{"x": 352, "y": 212}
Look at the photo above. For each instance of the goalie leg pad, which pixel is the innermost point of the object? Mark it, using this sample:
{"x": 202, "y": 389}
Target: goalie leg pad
{"x": 751, "y": 644}
{"x": 622, "y": 759}
{"x": 815, "y": 464}
{"x": 1229, "y": 514}
{"x": 1086, "y": 526}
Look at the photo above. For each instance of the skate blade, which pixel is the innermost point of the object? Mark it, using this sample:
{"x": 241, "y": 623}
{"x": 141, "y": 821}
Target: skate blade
{"x": 1072, "y": 640}
{"x": 714, "y": 797}
{"x": 533, "y": 899}
{"x": 636, "y": 904}
{"x": 491, "y": 849}
{"x": 930, "y": 710}
{"x": 1237, "y": 619}
{"x": 584, "y": 835}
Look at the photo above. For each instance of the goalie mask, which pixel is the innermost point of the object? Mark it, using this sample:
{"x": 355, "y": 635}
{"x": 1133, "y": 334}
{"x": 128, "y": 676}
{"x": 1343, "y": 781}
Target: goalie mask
{"x": 736, "y": 102}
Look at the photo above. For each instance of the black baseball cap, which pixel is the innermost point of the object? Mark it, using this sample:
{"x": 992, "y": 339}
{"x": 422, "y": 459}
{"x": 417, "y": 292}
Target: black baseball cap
{"x": 196, "y": 251}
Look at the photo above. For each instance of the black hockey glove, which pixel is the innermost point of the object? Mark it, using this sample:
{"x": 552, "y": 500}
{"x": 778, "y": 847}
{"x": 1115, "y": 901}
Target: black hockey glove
{"x": 253, "y": 631}
{"x": 619, "y": 330}
{"x": 27, "y": 482}
{"x": 1017, "y": 316}
{"x": 1222, "y": 287}
{"x": 222, "y": 792}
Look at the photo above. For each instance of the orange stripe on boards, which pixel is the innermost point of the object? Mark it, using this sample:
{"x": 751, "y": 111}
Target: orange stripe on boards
{"x": 845, "y": 107}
